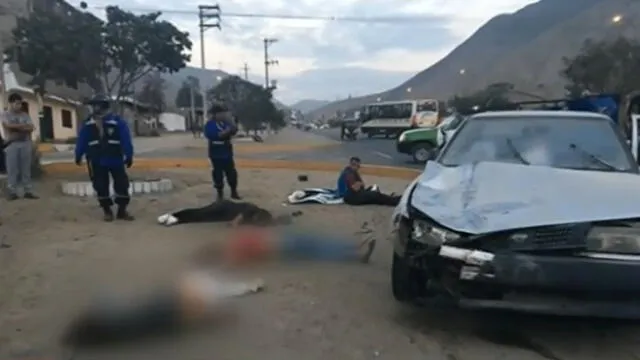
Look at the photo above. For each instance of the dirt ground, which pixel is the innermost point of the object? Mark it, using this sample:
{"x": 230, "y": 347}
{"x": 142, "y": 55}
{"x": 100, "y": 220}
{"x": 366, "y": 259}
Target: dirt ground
{"x": 60, "y": 251}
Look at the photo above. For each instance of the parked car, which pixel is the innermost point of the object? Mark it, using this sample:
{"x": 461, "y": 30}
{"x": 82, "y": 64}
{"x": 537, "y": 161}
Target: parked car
{"x": 423, "y": 143}
{"x": 533, "y": 211}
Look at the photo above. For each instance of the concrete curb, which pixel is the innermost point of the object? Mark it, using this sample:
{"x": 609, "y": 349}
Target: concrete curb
{"x": 46, "y": 148}
{"x": 168, "y": 163}
{"x": 84, "y": 188}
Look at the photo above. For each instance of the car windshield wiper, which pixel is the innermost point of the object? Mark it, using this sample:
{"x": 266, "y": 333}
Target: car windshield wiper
{"x": 517, "y": 154}
{"x": 593, "y": 158}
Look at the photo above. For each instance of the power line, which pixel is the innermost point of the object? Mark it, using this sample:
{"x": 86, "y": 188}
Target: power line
{"x": 359, "y": 19}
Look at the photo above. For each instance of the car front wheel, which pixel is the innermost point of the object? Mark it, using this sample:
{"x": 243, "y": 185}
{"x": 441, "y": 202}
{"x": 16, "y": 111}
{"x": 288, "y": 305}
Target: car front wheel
{"x": 407, "y": 284}
{"x": 422, "y": 152}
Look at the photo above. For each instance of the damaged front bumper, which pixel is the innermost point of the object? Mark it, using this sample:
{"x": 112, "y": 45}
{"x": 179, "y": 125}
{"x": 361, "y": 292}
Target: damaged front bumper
{"x": 592, "y": 284}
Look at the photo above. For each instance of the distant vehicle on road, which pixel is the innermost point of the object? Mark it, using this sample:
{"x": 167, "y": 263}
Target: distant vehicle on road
{"x": 421, "y": 143}
{"x": 393, "y": 117}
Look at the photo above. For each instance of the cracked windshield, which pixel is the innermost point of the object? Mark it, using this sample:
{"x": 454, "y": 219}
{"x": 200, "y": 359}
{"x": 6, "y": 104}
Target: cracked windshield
{"x": 286, "y": 180}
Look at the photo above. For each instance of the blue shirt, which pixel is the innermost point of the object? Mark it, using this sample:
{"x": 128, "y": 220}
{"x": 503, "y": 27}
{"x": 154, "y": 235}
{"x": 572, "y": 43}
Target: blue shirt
{"x": 347, "y": 176}
{"x": 111, "y": 148}
{"x": 220, "y": 146}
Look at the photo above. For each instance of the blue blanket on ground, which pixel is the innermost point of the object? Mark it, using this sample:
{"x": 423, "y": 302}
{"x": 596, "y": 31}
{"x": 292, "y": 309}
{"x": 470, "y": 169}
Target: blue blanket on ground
{"x": 315, "y": 196}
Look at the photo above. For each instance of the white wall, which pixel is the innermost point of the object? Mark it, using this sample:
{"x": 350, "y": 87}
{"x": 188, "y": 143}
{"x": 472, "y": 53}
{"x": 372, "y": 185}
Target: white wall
{"x": 173, "y": 122}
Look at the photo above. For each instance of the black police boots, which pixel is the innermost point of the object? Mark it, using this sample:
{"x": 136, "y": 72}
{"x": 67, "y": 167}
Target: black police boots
{"x": 235, "y": 195}
{"x": 108, "y": 214}
{"x": 123, "y": 214}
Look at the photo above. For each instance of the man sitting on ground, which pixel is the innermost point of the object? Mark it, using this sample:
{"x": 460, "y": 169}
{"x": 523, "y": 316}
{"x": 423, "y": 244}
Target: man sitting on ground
{"x": 353, "y": 190}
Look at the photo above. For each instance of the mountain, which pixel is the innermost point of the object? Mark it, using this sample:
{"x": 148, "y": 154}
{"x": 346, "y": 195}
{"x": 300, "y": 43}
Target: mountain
{"x": 340, "y": 82}
{"x": 308, "y": 105}
{"x": 524, "y": 48}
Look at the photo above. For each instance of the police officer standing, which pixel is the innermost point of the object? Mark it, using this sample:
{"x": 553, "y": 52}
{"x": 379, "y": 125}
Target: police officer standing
{"x": 105, "y": 141}
{"x": 219, "y": 130}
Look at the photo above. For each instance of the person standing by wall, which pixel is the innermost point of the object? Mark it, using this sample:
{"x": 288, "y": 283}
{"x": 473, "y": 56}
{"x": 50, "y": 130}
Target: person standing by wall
{"x": 219, "y": 130}
{"x": 105, "y": 141}
{"x": 18, "y": 127}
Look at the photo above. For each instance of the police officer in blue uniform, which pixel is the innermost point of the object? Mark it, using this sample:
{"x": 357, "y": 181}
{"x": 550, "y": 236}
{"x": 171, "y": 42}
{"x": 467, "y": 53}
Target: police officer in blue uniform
{"x": 105, "y": 141}
{"x": 219, "y": 130}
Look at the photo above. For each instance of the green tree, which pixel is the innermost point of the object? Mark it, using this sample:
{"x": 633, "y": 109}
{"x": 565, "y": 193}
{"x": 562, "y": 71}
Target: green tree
{"x": 152, "y": 93}
{"x": 252, "y": 105}
{"x": 184, "y": 95}
{"x": 604, "y": 67}
{"x": 134, "y": 46}
{"x": 59, "y": 46}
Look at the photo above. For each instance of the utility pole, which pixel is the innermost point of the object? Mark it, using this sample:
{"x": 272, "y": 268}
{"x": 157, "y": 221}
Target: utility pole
{"x": 206, "y": 13}
{"x": 192, "y": 95}
{"x": 268, "y": 62}
{"x": 245, "y": 68}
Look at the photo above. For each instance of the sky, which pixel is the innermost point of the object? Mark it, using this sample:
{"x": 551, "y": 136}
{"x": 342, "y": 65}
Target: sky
{"x": 427, "y": 31}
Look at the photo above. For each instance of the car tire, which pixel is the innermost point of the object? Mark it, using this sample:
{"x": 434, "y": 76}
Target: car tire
{"x": 422, "y": 152}
{"x": 407, "y": 284}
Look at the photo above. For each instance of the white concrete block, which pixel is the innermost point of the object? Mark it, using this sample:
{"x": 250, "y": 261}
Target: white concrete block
{"x": 164, "y": 185}
{"x": 137, "y": 187}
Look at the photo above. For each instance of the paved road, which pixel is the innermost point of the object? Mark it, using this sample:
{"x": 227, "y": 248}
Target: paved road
{"x": 379, "y": 151}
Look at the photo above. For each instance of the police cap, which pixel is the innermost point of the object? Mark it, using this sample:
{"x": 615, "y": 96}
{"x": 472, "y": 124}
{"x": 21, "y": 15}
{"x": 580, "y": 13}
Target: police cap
{"x": 218, "y": 108}
{"x": 99, "y": 99}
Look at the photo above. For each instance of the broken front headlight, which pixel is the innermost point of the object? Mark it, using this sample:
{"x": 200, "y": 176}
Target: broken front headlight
{"x": 614, "y": 240}
{"x": 425, "y": 233}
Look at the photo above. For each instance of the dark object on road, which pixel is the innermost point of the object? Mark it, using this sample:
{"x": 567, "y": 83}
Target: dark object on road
{"x": 303, "y": 178}
{"x": 496, "y": 245}
{"x": 257, "y": 138}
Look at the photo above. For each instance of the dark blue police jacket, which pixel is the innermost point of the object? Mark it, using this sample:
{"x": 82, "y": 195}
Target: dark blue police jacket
{"x": 114, "y": 148}
{"x": 220, "y": 147}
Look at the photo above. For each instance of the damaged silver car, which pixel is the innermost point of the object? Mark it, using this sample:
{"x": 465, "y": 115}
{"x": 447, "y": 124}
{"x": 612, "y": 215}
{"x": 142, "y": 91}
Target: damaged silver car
{"x": 535, "y": 211}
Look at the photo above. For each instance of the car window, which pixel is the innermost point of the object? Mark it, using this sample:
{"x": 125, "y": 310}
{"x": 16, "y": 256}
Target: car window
{"x": 427, "y": 106}
{"x": 577, "y": 143}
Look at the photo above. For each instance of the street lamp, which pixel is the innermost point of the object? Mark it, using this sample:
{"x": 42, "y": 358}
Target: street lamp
{"x": 616, "y": 19}
{"x": 408, "y": 89}
{"x": 462, "y": 71}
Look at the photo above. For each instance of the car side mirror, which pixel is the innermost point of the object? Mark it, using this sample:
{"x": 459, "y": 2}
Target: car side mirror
{"x": 443, "y": 137}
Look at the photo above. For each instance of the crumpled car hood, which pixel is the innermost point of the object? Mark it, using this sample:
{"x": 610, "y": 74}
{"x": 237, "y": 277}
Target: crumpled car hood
{"x": 487, "y": 197}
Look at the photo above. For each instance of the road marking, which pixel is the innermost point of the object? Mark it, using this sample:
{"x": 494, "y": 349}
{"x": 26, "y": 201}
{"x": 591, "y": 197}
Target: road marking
{"x": 381, "y": 154}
